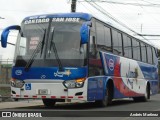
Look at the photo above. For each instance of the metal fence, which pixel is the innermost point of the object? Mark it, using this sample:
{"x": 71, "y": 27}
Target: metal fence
{"x": 5, "y": 71}
{"x": 5, "y": 76}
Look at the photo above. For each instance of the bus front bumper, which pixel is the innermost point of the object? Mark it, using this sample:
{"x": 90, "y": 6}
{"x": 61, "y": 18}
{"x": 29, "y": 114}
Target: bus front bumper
{"x": 50, "y": 89}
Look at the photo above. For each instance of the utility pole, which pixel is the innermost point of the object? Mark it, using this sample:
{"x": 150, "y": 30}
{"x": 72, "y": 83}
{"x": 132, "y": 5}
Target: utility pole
{"x": 141, "y": 27}
{"x": 73, "y": 6}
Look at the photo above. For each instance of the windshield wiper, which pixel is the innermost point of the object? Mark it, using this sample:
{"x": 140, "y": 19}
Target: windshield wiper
{"x": 55, "y": 51}
{"x": 43, "y": 42}
{"x": 36, "y": 51}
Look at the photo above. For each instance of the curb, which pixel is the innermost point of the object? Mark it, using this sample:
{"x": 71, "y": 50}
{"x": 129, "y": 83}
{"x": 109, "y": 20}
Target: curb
{"x": 0, "y": 98}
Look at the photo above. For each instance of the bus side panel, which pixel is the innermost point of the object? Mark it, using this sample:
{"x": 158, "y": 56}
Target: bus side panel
{"x": 127, "y": 76}
{"x": 150, "y": 73}
{"x": 118, "y": 94}
{"x": 155, "y": 82}
{"x": 154, "y": 87}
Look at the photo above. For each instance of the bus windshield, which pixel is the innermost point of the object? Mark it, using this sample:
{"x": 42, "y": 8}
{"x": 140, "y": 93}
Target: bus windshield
{"x": 44, "y": 45}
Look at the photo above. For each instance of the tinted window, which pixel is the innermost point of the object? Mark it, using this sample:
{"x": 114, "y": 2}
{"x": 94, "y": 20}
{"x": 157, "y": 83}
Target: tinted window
{"x": 100, "y": 35}
{"x": 127, "y": 46}
{"x": 117, "y": 42}
{"x": 95, "y": 65}
{"x": 149, "y": 54}
{"x": 143, "y": 52}
{"x": 108, "y": 43}
{"x": 154, "y": 56}
{"x": 136, "y": 49}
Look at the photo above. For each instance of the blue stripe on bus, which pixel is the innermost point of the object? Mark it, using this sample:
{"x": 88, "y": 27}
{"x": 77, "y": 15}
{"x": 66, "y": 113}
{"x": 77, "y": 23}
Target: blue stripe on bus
{"x": 149, "y": 71}
{"x": 49, "y": 73}
{"x": 84, "y": 16}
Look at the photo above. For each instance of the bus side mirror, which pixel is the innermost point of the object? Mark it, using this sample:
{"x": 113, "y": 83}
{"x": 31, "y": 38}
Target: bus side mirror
{"x": 84, "y": 33}
{"x": 5, "y": 33}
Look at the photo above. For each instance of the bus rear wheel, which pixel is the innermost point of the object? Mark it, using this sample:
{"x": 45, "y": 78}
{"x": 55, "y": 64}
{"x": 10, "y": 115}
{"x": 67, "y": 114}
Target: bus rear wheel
{"x": 49, "y": 102}
{"x": 146, "y": 96}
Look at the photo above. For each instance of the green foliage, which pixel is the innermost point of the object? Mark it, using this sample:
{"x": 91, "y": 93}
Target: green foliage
{"x": 5, "y": 91}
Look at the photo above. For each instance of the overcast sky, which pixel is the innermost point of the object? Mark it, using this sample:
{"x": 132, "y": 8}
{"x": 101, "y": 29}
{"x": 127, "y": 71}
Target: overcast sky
{"x": 143, "y": 16}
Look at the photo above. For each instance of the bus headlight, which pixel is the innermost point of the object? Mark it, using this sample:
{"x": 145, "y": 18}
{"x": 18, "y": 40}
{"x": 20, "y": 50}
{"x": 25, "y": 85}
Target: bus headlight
{"x": 17, "y": 83}
{"x": 78, "y": 83}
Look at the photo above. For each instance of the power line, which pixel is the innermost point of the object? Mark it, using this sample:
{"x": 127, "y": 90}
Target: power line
{"x": 88, "y": 9}
{"x": 85, "y": 7}
{"x": 110, "y": 16}
{"x": 104, "y": 12}
{"x": 153, "y": 39}
{"x": 149, "y": 2}
{"x": 122, "y": 3}
{"x": 148, "y": 35}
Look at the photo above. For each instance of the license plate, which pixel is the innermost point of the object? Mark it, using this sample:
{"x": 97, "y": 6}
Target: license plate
{"x": 43, "y": 92}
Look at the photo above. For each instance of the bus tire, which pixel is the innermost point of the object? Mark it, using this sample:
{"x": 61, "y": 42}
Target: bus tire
{"x": 107, "y": 98}
{"x": 146, "y": 96}
{"x": 49, "y": 102}
{"x": 15, "y": 99}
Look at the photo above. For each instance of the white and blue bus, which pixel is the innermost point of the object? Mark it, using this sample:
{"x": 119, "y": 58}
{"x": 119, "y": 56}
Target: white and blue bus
{"x": 77, "y": 57}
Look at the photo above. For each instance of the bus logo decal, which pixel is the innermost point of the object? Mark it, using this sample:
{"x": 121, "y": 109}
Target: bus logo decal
{"x": 61, "y": 74}
{"x": 43, "y": 76}
{"x": 18, "y": 72}
{"x": 111, "y": 64}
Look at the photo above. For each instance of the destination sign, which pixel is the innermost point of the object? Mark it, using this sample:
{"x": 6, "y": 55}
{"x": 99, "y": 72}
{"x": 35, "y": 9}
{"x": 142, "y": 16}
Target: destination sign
{"x": 65, "y": 19}
{"x": 46, "y": 20}
{"x": 31, "y": 21}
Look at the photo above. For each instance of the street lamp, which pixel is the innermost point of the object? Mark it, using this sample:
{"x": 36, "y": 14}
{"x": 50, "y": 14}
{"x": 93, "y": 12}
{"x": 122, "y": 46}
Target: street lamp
{"x": 1, "y": 17}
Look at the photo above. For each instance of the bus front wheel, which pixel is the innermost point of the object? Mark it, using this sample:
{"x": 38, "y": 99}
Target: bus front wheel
{"x": 49, "y": 102}
{"x": 107, "y": 98}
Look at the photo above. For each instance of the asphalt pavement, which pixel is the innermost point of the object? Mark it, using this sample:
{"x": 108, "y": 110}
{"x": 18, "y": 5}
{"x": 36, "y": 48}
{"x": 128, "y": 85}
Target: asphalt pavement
{"x": 20, "y": 103}
{"x": 117, "y": 107}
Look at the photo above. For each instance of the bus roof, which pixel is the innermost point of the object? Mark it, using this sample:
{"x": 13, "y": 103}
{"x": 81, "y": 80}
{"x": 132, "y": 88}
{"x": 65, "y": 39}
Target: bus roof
{"x": 84, "y": 16}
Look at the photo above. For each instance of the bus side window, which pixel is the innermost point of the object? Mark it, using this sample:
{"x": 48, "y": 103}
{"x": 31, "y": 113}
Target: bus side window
{"x": 96, "y": 37}
{"x": 117, "y": 42}
{"x": 136, "y": 49}
{"x": 127, "y": 46}
{"x": 100, "y": 36}
{"x": 143, "y": 52}
{"x": 154, "y": 55}
{"x": 108, "y": 42}
{"x": 149, "y": 54}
